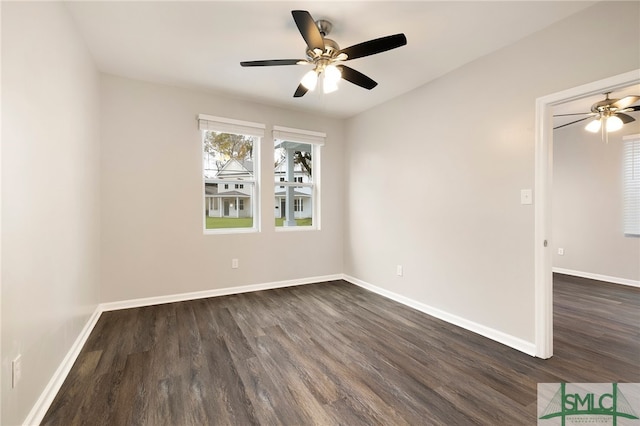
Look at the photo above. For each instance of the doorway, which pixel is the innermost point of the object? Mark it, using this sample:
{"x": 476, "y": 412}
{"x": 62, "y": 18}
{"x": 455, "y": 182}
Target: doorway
{"x": 543, "y": 189}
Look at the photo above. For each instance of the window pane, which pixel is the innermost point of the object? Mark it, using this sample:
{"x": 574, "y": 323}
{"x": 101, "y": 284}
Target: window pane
{"x": 293, "y": 164}
{"x": 229, "y": 180}
{"x": 302, "y": 162}
{"x": 301, "y": 209}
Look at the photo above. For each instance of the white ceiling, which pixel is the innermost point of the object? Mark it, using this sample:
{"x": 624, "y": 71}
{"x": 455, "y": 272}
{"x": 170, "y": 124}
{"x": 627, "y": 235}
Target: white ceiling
{"x": 200, "y": 44}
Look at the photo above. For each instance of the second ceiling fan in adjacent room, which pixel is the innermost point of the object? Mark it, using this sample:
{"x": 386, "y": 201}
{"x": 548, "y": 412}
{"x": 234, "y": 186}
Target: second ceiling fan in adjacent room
{"x": 607, "y": 115}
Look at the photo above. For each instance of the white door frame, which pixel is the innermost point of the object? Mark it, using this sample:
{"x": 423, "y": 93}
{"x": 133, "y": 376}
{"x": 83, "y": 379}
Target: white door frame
{"x": 543, "y": 185}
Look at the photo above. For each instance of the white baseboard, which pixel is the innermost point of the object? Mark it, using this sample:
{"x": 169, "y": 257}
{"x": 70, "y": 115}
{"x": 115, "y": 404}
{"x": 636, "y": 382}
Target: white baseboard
{"x": 43, "y": 403}
{"x": 46, "y": 398}
{"x": 597, "y": 277}
{"x": 180, "y": 297}
{"x": 496, "y": 335}
{"x": 51, "y": 390}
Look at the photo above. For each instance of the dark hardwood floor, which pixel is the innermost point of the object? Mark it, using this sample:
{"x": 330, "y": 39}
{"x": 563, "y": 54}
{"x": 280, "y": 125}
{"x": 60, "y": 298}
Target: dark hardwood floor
{"x": 334, "y": 353}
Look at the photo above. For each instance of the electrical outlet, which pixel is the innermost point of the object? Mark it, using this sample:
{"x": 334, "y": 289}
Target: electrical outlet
{"x": 561, "y": 251}
{"x": 399, "y": 270}
{"x": 16, "y": 371}
{"x": 234, "y": 264}
{"x": 526, "y": 196}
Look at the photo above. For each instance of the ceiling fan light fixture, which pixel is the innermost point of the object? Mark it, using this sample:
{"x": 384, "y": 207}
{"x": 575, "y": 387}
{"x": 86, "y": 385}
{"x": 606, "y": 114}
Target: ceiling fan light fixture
{"x": 310, "y": 80}
{"x": 331, "y": 77}
{"x": 614, "y": 123}
{"x": 593, "y": 126}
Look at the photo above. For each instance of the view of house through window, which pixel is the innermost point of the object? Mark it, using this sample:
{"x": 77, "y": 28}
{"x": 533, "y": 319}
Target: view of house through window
{"x": 294, "y": 183}
{"x": 229, "y": 180}
{"x": 230, "y": 153}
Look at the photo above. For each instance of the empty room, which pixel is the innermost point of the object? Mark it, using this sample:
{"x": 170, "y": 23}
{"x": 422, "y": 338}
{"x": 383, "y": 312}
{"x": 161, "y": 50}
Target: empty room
{"x": 293, "y": 213}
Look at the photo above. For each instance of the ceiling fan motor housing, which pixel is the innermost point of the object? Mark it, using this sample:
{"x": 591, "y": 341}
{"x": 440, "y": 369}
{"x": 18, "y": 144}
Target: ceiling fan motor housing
{"x": 604, "y": 105}
{"x": 330, "y": 53}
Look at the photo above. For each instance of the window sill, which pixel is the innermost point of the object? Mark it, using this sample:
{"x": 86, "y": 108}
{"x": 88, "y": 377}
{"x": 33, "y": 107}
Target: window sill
{"x": 295, "y": 228}
{"x": 225, "y": 231}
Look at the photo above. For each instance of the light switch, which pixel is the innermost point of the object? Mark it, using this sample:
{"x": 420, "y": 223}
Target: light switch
{"x": 526, "y": 196}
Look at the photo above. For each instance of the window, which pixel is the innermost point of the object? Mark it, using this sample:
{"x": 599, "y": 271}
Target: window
{"x": 230, "y": 150}
{"x": 297, "y": 178}
{"x": 631, "y": 189}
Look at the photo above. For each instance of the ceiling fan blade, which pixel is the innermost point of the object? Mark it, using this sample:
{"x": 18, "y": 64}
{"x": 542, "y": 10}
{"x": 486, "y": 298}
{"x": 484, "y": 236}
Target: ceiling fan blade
{"x": 272, "y": 62}
{"x": 625, "y": 118}
{"x": 573, "y": 122}
{"x": 625, "y": 102}
{"x": 300, "y": 91}
{"x": 356, "y": 77}
{"x": 576, "y": 113}
{"x": 374, "y": 46}
{"x": 308, "y": 29}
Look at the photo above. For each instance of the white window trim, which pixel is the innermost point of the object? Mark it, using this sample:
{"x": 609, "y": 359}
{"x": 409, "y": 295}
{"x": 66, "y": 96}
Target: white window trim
{"x": 230, "y": 125}
{"x": 316, "y": 140}
{"x": 239, "y": 127}
{"x": 299, "y": 135}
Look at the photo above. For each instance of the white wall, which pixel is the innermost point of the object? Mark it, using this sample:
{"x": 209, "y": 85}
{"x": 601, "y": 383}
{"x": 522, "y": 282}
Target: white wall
{"x": 588, "y": 204}
{"x": 152, "y": 239}
{"x": 50, "y": 196}
{"x": 463, "y": 147}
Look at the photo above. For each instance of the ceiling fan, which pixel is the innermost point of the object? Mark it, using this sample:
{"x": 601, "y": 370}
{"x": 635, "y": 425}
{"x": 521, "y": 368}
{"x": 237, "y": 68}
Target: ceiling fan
{"x": 325, "y": 55}
{"x": 607, "y": 115}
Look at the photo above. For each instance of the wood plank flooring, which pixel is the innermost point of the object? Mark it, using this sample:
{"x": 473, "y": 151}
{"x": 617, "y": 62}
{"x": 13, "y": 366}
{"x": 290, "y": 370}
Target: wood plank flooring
{"x": 335, "y": 354}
